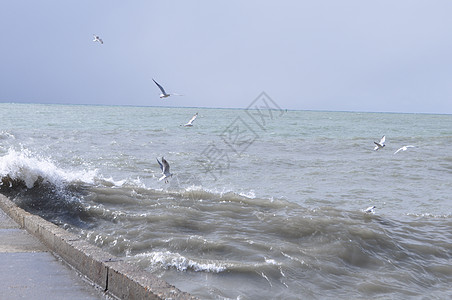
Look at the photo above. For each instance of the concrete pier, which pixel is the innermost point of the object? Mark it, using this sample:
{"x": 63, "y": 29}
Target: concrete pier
{"x": 30, "y": 268}
{"x": 29, "y": 271}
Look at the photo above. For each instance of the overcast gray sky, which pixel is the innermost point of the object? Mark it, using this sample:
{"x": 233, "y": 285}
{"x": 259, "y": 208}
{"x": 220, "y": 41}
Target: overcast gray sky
{"x": 386, "y": 55}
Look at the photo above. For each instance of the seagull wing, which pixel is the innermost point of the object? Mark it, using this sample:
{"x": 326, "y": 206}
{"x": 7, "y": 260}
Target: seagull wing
{"x": 404, "y": 148}
{"x": 160, "y": 87}
{"x": 383, "y": 139}
{"x": 161, "y": 166}
{"x": 192, "y": 119}
{"x": 398, "y": 150}
{"x": 166, "y": 167}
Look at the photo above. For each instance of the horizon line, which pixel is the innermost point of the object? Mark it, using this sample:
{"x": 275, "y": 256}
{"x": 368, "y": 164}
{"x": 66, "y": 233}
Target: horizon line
{"x": 232, "y": 108}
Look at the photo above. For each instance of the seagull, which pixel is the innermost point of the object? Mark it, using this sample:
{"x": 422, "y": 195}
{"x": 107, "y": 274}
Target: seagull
{"x": 404, "y": 148}
{"x": 370, "y": 210}
{"x": 97, "y": 39}
{"x": 164, "y": 166}
{"x": 190, "y": 123}
{"x": 381, "y": 144}
{"x": 164, "y": 94}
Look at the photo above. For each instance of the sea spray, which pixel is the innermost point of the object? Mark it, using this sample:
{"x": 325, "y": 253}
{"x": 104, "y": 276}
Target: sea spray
{"x": 29, "y": 168}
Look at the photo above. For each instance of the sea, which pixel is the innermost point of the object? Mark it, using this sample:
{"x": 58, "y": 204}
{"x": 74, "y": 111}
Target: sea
{"x": 263, "y": 202}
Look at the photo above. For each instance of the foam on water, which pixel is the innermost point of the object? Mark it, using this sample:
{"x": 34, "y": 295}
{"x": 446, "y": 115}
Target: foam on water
{"x": 167, "y": 259}
{"x": 30, "y": 168}
{"x": 6, "y": 135}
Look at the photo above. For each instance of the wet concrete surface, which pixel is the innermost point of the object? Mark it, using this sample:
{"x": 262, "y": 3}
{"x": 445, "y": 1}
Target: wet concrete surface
{"x": 29, "y": 271}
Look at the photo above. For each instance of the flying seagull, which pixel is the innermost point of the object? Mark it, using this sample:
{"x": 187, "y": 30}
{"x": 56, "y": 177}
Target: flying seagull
{"x": 404, "y": 148}
{"x": 370, "y": 210}
{"x": 164, "y": 166}
{"x": 164, "y": 94}
{"x": 381, "y": 144}
{"x": 97, "y": 39}
{"x": 190, "y": 123}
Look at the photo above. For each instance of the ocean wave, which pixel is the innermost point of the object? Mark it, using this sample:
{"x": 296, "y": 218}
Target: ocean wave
{"x": 26, "y": 169}
{"x": 29, "y": 168}
{"x": 167, "y": 259}
{"x": 6, "y": 135}
{"x": 201, "y": 193}
{"x": 39, "y": 186}
{"x": 429, "y": 215}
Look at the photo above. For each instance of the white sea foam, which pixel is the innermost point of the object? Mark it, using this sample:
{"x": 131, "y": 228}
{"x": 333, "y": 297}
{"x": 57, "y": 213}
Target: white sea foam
{"x": 167, "y": 259}
{"x": 429, "y": 215}
{"x": 225, "y": 195}
{"x": 5, "y": 135}
{"x": 110, "y": 181}
{"x": 250, "y": 194}
{"x": 271, "y": 261}
{"x": 29, "y": 168}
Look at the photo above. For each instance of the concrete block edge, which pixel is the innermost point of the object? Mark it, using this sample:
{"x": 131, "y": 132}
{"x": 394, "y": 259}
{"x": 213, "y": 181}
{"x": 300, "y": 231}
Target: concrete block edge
{"x": 117, "y": 278}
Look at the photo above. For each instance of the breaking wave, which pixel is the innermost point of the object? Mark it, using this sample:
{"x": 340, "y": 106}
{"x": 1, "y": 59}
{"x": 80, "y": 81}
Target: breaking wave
{"x": 27, "y": 168}
{"x": 167, "y": 259}
{"x": 38, "y": 185}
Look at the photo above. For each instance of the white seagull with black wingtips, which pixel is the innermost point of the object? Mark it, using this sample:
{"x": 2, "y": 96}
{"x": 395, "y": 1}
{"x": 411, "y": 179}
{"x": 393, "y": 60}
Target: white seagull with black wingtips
{"x": 370, "y": 210}
{"x": 97, "y": 39}
{"x": 190, "y": 123}
{"x": 164, "y": 94}
{"x": 164, "y": 166}
{"x": 381, "y": 144}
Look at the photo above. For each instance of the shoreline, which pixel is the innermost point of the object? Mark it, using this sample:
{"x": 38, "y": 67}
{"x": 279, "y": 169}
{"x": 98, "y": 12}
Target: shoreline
{"x": 116, "y": 277}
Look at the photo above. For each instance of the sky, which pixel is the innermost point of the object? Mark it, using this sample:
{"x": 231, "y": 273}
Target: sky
{"x": 350, "y": 55}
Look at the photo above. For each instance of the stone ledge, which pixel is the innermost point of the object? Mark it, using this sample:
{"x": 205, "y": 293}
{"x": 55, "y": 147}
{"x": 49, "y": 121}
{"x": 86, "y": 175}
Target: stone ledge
{"x": 118, "y": 278}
